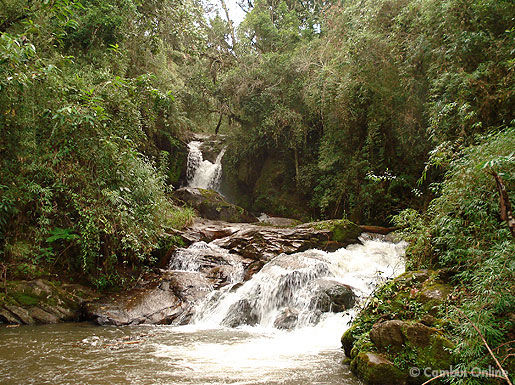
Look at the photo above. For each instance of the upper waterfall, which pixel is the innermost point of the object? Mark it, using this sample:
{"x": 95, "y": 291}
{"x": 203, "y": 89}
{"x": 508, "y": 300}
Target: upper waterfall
{"x": 202, "y": 173}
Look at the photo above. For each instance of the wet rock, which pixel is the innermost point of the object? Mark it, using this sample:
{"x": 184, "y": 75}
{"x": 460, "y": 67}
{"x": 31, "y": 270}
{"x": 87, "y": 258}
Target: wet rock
{"x": 43, "y": 317}
{"x": 20, "y": 313}
{"x": 137, "y": 306}
{"x": 241, "y": 313}
{"x": 212, "y": 205}
{"x": 264, "y": 243}
{"x": 7, "y": 317}
{"x": 332, "y": 296}
{"x": 205, "y": 257}
{"x": 43, "y": 301}
{"x": 375, "y": 369}
{"x": 165, "y": 299}
{"x": 287, "y": 319}
{"x": 252, "y": 269}
{"x": 348, "y": 340}
{"x": 188, "y": 286}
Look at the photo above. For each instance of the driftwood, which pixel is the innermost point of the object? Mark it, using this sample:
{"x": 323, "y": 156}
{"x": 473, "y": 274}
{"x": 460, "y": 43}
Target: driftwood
{"x": 504, "y": 204}
{"x": 378, "y": 229}
{"x": 3, "y": 276}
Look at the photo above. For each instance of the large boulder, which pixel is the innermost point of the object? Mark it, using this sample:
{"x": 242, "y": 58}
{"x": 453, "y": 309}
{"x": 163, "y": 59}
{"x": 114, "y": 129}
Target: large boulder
{"x": 332, "y": 296}
{"x": 241, "y": 313}
{"x": 165, "y": 299}
{"x": 212, "y": 205}
{"x": 395, "y": 335}
{"x": 417, "y": 333}
{"x": 376, "y": 369}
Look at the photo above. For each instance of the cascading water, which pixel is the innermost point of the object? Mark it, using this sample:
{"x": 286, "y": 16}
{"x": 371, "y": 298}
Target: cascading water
{"x": 201, "y": 173}
{"x": 295, "y": 285}
{"x": 287, "y": 289}
{"x": 207, "y": 351}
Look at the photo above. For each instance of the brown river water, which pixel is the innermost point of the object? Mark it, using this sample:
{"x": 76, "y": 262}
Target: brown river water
{"x": 81, "y": 353}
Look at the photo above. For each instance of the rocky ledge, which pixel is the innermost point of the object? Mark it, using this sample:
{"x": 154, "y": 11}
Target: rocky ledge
{"x": 212, "y": 205}
{"x": 224, "y": 253}
{"x": 42, "y": 301}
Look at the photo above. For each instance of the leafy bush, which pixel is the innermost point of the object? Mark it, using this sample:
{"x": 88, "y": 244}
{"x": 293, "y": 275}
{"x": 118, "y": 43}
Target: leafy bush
{"x": 462, "y": 231}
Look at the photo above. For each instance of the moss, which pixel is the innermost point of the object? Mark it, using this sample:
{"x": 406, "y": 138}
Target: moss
{"x": 348, "y": 339}
{"x": 25, "y": 299}
{"x": 342, "y": 229}
{"x": 377, "y": 370}
{"x": 412, "y": 297}
{"x": 437, "y": 355}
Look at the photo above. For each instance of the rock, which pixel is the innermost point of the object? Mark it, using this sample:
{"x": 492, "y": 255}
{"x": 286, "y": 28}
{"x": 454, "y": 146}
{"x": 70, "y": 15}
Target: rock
{"x": 165, "y": 299}
{"x": 278, "y": 221}
{"x": 241, "y": 313}
{"x": 212, "y": 205}
{"x": 43, "y": 301}
{"x": 341, "y": 231}
{"x": 434, "y": 292}
{"x": 333, "y": 296}
{"x": 348, "y": 340}
{"x": 7, "y": 317}
{"x": 375, "y": 369}
{"x": 188, "y": 286}
{"x": 388, "y": 335}
{"x": 211, "y": 146}
{"x": 287, "y": 319}
{"x": 43, "y": 317}
{"x": 393, "y": 336}
{"x": 264, "y": 243}
{"x": 252, "y": 269}
{"x": 22, "y": 314}
{"x": 137, "y": 306}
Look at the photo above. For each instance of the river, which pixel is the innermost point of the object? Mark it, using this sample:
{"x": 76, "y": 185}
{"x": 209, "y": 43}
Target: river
{"x": 206, "y": 351}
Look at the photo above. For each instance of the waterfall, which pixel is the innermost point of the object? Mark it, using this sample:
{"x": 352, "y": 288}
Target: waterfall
{"x": 290, "y": 291}
{"x": 202, "y": 173}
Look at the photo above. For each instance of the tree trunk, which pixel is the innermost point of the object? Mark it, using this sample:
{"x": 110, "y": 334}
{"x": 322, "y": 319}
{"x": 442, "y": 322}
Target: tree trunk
{"x": 504, "y": 204}
{"x": 231, "y": 27}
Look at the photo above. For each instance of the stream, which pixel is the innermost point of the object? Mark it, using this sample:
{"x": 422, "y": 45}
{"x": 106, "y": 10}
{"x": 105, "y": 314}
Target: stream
{"x": 279, "y": 325}
{"x": 206, "y": 351}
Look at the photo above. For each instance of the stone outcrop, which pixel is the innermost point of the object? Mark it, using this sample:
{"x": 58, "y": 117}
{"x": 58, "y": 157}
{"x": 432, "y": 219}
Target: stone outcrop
{"x": 375, "y": 369}
{"x": 333, "y": 296}
{"x": 235, "y": 253}
{"x": 160, "y": 299}
{"x": 43, "y": 301}
{"x": 212, "y": 205}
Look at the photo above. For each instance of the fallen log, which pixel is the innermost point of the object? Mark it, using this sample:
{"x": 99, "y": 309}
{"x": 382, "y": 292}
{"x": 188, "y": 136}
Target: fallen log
{"x": 378, "y": 229}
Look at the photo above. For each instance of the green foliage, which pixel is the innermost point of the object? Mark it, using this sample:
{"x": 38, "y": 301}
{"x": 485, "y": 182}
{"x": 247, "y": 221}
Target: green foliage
{"x": 462, "y": 230}
{"x": 83, "y": 123}
{"x": 371, "y": 96}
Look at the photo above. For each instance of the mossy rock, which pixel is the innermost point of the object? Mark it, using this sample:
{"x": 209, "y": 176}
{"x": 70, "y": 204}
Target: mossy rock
{"x": 348, "y": 339}
{"x": 341, "y": 230}
{"x": 375, "y": 369}
{"x": 42, "y": 301}
{"x": 212, "y": 205}
{"x": 25, "y": 299}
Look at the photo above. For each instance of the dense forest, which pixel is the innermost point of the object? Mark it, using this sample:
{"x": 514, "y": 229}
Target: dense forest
{"x": 385, "y": 112}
